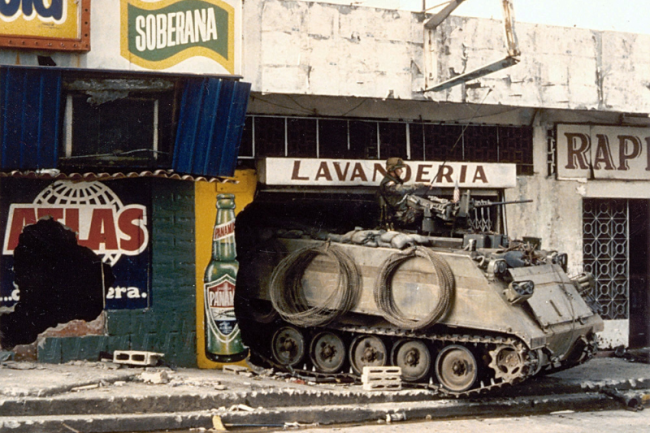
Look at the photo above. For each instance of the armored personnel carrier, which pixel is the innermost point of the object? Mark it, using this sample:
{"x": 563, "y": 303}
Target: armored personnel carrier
{"x": 460, "y": 309}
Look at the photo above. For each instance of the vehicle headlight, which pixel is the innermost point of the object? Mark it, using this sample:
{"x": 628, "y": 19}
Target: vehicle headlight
{"x": 497, "y": 267}
{"x": 519, "y": 291}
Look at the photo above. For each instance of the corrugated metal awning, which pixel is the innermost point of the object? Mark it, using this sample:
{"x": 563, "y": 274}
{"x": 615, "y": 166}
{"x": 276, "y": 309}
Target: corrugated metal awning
{"x": 30, "y": 115}
{"x": 210, "y": 126}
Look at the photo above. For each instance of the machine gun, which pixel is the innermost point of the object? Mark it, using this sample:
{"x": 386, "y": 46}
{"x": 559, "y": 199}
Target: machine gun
{"x": 440, "y": 215}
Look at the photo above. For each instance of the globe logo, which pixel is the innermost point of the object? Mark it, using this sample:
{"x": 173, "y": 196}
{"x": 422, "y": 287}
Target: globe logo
{"x": 91, "y": 209}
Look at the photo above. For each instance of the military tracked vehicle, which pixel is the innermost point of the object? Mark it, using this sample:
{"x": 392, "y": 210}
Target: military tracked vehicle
{"x": 463, "y": 310}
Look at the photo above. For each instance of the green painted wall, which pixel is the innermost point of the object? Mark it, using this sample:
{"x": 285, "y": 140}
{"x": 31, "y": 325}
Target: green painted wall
{"x": 169, "y": 325}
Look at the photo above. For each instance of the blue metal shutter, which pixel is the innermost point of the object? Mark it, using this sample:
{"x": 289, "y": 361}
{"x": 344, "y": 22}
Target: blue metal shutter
{"x": 210, "y": 127}
{"x": 30, "y": 110}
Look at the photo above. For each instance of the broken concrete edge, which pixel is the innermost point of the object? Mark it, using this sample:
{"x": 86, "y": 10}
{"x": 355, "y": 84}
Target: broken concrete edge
{"x": 444, "y": 409}
{"x": 63, "y": 389}
{"x": 313, "y": 415}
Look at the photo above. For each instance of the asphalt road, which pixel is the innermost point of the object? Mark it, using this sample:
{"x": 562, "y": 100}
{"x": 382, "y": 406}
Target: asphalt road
{"x": 560, "y": 422}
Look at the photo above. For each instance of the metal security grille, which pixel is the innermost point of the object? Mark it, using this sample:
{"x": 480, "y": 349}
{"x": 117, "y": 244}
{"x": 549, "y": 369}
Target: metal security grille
{"x": 316, "y": 137}
{"x": 605, "y": 253}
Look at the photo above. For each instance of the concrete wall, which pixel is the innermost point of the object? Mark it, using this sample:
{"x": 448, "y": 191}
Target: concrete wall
{"x": 307, "y": 48}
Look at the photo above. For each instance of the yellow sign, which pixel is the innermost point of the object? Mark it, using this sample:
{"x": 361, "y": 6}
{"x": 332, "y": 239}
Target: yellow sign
{"x": 45, "y": 24}
{"x": 205, "y": 212}
{"x": 161, "y": 34}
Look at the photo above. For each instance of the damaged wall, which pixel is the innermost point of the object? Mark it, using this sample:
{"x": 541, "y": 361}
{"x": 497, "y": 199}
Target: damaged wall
{"x": 321, "y": 49}
{"x": 144, "y": 231}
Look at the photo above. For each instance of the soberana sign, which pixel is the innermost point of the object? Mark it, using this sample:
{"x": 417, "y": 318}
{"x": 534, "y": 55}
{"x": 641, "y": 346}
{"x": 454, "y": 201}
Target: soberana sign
{"x": 603, "y": 152}
{"x": 161, "y": 34}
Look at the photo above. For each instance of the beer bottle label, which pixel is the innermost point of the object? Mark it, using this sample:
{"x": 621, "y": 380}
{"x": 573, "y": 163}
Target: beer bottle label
{"x": 224, "y": 231}
{"x": 220, "y": 301}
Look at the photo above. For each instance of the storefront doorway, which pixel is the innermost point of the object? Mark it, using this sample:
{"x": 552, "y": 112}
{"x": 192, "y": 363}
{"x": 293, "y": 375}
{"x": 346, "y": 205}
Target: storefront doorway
{"x": 615, "y": 249}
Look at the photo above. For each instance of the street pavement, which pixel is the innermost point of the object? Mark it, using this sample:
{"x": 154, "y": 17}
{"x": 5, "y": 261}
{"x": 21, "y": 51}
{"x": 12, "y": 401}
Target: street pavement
{"x": 107, "y": 397}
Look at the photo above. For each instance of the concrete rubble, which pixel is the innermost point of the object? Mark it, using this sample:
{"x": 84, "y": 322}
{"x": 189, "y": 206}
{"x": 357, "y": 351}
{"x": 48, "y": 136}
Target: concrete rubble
{"x": 109, "y": 397}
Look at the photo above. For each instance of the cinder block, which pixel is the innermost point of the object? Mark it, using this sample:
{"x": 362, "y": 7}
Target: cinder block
{"x": 136, "y": 357}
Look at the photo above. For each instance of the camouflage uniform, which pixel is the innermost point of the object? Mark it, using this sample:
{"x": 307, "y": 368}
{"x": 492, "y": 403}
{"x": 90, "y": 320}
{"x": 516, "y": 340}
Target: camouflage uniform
{"x": 393, "y": 195}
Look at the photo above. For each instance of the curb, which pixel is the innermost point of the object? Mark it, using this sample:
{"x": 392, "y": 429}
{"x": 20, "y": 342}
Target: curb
{"x": 322, "y": 415}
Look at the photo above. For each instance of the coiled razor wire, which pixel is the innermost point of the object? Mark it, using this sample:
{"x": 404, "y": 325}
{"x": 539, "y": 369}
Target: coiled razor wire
{"x": 287, "y": 293}
{"x": 383, "y": 290}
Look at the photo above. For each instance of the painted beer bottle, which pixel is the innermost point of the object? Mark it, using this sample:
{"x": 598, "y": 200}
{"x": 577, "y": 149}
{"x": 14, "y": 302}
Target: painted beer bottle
{"x": 223, "y": 341}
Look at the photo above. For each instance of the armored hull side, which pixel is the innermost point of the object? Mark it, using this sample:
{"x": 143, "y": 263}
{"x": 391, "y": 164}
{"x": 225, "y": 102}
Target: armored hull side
{"x": 467, "y": 321}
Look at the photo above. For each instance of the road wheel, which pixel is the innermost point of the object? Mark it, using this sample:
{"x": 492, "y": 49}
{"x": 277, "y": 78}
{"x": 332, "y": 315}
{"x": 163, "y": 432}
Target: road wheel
{"x": 456, "y": 368}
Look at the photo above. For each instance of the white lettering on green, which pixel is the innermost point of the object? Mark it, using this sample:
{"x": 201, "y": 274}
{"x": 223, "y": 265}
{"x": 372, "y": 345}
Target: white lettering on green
{"x": 158, "y": 31}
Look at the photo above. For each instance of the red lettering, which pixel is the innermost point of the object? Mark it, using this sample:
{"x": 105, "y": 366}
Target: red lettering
{"x": 323, "y": 171}
{"x": 21, "y": 217}
{"x": 577, "y": 155}
{"x": 622, "y": 150}
{"x": 480, "y": 175}
{"x": 423, "y": 171}
{"x": 379, "y": 169}
{"x": 129, "y": 222}
{"x": 603, "y": 153}
{"x": 341, "y": 174}
{"x": 102, "y": 231}
{"x": 444, "y": 171}
{"x": 463, "y": 173}
{"x": 72, "y": 219}
{"x": 55, "y": 213}
{"x": 358, "y": 172}
{"x": 296, "y": 169}
{"x": 223, "y": 230}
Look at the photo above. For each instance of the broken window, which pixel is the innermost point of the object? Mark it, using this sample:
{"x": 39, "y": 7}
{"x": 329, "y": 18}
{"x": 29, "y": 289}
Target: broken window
{"x": 118, "y": 123}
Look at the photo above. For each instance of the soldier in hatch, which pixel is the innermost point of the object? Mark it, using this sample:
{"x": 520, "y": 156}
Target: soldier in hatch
{"x": 393, "y": 194}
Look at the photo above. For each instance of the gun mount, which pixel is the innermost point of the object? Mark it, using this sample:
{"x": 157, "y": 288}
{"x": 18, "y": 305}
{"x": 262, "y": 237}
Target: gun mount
{"x": 440, "y": 215}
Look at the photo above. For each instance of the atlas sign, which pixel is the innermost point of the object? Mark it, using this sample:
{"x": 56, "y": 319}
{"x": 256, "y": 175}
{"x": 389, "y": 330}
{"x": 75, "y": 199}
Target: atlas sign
{"x": 107, "y": 229}
{"x": 603, "y": 152}
{"x": 338, "y": 172}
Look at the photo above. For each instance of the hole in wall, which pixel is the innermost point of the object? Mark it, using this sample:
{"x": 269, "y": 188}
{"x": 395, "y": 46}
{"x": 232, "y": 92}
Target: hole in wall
{"x": 59, "y": 281}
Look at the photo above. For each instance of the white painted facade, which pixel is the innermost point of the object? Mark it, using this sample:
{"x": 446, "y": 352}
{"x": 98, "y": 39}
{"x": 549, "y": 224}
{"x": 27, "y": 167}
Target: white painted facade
{"x": 306, "y": 58}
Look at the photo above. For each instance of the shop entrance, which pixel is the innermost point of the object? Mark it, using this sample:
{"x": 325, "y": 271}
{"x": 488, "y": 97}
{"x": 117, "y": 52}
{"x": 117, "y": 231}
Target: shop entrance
{"x": 616, "y": 244}
{"x": 639, "y": 212}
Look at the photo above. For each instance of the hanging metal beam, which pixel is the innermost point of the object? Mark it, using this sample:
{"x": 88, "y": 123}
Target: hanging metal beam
{"x": 473, "y": 75}
{"x": 435, "y": 20}
{"x": 512, "y": 45}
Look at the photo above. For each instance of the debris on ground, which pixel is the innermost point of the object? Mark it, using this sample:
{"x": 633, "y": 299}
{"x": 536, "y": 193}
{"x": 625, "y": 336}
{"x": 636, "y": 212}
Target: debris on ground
{"x": 630, "y": 400}
{"x": 155, "y": 377}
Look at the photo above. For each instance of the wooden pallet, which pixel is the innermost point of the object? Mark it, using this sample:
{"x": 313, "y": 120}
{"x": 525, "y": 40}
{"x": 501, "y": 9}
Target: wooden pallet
{"x": 382, "y": 378}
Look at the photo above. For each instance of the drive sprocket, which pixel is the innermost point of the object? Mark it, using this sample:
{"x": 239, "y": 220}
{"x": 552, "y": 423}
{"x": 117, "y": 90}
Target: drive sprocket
{"x": 508, "y": 363}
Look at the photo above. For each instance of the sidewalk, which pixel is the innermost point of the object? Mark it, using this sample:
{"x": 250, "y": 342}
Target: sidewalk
{"x": 105, "y": 397}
